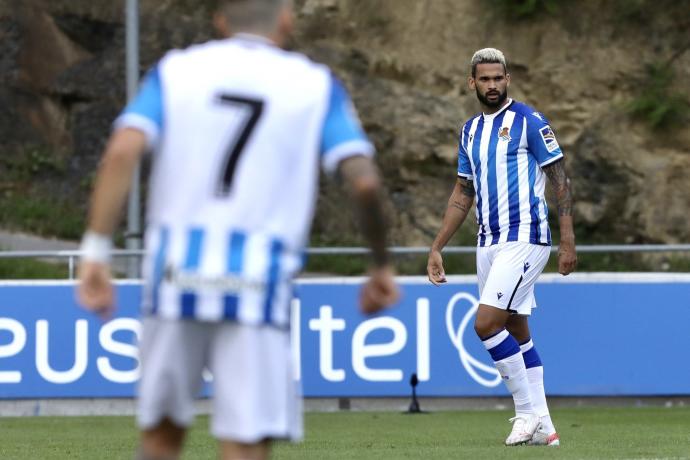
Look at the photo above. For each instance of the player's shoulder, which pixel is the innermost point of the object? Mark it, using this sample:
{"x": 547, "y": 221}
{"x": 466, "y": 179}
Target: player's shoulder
{"x": 529, "y": 113}
{"x": 212, "y": 51}
{"x": 468, "y": 123}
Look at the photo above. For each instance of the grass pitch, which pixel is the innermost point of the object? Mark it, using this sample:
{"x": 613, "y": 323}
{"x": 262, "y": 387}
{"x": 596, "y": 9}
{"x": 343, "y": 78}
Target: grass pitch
{"x": 586, "y": 433}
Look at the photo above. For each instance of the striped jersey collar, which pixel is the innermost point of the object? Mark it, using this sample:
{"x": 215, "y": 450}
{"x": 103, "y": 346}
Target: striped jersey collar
{"x": 498, "y": 112}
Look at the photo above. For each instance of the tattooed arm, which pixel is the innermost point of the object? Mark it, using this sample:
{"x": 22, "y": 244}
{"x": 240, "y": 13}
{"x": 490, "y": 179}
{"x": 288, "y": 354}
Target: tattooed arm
{"x": 459, "y": 205}
{"x": 362, "y": 180}
{"x": 567, "y": 256}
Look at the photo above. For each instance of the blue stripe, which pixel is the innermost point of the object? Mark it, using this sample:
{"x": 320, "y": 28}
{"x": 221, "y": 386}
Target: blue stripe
{"x": 159, "y": 265}
{"x": 513, "y": 179}
{"x": 195, "y": 239}
{"x": 533, "y": 201}
{"x": 548, "y": 229}
{"x": 531, "y": 358}
{"x": 476, "y": 159}
{"x": 491, "y": 178}
{"x": 507, "y": 348}
{"x": 272, "y": 282}
{"x": 235, "y": 259}
{"x": 464, "y": 165}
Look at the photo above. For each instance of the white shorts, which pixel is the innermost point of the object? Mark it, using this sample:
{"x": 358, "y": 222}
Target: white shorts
{"x": 507, "y": 273}
{"x": 255, "y": 396}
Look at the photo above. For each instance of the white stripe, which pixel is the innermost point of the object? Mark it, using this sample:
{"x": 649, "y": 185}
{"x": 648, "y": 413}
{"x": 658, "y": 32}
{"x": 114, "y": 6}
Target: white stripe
{"x": 213, "y": 264}
{"x": 539, "y": 185}
{"x": 140, "y": 123}
{"x": 502, "y": 177}
{"x": 552, "y": 160}
{"x": 523, "y": 185}
{"x": 487, "y": 129}
{"x": 169, "y": 305}
{"x": 470, "y": 143}
{"x": 495, "y": 340}
{"x": 340, "y": 152}
{"x": 526, "y": 346}
{"x": 254, "y": 268}
{"x": 152, "y": 241}
{"x": 470, "y": 146}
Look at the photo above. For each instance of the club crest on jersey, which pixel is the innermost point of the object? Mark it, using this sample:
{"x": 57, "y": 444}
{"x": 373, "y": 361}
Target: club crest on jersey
{"x": 504, "y": 133}
{"x": 549, "y": 138}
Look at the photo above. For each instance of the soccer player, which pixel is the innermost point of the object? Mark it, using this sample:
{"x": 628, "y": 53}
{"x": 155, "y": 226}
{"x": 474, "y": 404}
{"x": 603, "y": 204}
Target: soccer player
{"x": 505, "y": 154}
{"x": 238, "y": 127}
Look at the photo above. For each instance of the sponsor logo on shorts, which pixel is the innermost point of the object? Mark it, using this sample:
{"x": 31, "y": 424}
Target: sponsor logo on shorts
{"x": 499, "y": 294}
{"x": 526, "y": 267}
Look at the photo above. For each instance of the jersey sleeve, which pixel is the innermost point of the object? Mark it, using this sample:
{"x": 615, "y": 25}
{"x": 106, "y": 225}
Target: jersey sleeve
{"x": 342, "y": 134}
{"x": 541, "y": 140}
{"x": 145, "y": 111}
{"x": 464, "y": 164}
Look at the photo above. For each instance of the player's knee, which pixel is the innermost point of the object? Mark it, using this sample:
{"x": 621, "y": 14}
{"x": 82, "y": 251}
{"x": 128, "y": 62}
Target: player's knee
{"x": 484, "y": 327}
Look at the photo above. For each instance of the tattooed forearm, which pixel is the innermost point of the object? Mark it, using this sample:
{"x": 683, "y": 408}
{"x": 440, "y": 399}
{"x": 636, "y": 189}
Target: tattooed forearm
{"x": 464, "y": 207}
{"x": 559, "y": 179}
{"x": 467, "y": 187}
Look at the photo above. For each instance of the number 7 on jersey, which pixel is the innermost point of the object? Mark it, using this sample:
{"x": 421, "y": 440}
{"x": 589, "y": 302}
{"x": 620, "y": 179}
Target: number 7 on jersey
{"x": 237, "y": 143}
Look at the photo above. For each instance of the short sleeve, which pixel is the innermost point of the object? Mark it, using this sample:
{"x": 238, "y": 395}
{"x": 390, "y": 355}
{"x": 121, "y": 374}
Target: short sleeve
{"x": 464, "y": 164}
{"x": 145, "y": 111}
{"x": 342, "y": 134}
{"x": 541, "y": 140}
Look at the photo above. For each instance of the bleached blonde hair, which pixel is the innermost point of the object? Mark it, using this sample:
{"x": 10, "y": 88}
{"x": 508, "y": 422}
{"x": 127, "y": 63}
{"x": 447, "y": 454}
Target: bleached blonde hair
{"x": 487, "y": 56}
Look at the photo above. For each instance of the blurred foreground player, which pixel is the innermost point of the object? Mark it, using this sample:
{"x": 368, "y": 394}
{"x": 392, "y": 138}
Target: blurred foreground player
{"x": 505, "y": 155}
{"x": 238, "y": 127}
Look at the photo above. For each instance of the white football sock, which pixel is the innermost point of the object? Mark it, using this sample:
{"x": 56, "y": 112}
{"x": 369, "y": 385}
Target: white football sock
{"x": 505, "y": 352}
{"x": 535, "y": 377}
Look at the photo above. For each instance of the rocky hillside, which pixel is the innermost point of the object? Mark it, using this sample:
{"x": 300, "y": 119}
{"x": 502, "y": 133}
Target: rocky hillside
{"x": 582, "y": 63}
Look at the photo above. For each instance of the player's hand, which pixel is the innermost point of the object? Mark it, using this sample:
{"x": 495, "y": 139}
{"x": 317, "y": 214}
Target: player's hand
{"x": 567, "y": 258}
{"x": 434, "y": 268}
{"x": 380, "y": 291}
{"x": 95, "y": 289}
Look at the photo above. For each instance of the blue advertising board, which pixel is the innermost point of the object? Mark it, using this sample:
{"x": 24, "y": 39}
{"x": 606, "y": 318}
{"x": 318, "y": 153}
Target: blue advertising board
{"x": 597, "y": 334}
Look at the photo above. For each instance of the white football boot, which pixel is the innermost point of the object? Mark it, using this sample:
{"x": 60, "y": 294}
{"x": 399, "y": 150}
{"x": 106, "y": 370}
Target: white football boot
{"x": 542, "y": 438}
{"x": 524, "y": 426}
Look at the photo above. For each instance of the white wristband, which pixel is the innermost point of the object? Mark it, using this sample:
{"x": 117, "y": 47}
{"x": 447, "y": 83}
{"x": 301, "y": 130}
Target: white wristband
{"x": 95, "y": 248}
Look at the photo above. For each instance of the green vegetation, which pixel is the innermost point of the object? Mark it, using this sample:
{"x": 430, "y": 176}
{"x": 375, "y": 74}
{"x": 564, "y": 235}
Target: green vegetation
{"x": 657, "y": 102}
{"x": 28, "y": 202}
{"x": 586, "y": 433}
{"x": 39, "y": 215}
{"x": 29, "y": 269}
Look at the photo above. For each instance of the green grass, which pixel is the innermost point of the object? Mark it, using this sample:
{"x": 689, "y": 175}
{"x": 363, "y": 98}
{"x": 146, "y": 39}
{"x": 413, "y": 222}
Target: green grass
{"x": 586, "y": 433}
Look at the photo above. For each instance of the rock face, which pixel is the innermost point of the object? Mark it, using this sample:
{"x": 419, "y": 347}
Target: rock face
{"x": 406, "y": 64}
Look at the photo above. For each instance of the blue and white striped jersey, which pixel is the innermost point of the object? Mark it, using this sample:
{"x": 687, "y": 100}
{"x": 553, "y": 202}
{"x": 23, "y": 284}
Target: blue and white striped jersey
{"x": 503, "y": 154}
{"x": 238, "y": 128}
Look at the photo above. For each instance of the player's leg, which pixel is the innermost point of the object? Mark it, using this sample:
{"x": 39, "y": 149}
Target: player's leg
{"x": 164, "y": 441}
{"x": 256, "y": 399}
{"x": 546, "y": 433}
{"x": 172, "y": 355}
{"x": 230, "y": 450}
{"x": 499, "y": 279}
